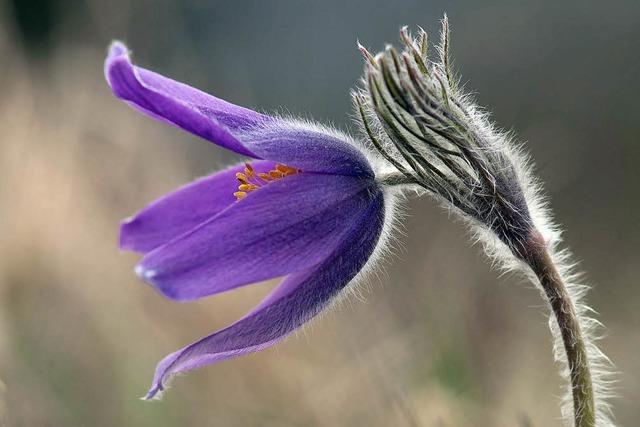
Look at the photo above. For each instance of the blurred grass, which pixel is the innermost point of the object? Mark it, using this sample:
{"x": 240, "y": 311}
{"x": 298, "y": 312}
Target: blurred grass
{"x": 440, "y": 340}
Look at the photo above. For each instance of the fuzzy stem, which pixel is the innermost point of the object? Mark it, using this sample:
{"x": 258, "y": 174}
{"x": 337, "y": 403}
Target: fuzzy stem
{"x": 568, "y": 322}
{"x": 394, "y": 179}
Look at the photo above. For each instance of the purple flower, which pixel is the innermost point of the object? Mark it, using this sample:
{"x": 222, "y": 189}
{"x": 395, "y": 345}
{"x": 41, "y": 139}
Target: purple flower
{"x": 307, "y": 207}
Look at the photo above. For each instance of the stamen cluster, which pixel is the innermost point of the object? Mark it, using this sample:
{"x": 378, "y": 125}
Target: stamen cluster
{"x": 250, "y": 180}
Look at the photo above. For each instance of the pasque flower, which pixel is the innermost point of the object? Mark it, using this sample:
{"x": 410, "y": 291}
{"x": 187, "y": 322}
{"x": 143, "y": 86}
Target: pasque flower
{"x": 308, "y": 206}
{"x": 314, "y": 206}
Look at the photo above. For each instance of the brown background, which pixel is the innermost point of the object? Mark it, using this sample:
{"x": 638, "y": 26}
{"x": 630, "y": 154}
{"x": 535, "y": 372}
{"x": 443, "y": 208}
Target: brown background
{"x": 439, "y": 341}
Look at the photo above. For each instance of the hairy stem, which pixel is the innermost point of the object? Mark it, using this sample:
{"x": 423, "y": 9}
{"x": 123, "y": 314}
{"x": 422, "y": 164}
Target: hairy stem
{"x": 394, "y": 179}
{"x": 568, "y": 322}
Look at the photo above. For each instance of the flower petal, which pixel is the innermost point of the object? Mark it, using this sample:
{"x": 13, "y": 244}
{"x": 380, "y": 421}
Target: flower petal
{"x": 309, "y": 147}
{"x": 302, "y": 145}
{"x": 296, "y": 300}
{"x": 178, "y": 104}
{"x": 184, "y": 209}
{"x": 286, "y": 226}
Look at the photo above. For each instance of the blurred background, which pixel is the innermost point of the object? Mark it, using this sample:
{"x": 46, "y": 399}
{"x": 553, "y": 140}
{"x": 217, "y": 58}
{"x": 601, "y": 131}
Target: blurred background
{"x": 440, "y": 340}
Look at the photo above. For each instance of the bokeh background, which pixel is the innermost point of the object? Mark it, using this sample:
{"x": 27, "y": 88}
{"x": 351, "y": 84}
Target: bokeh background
{"x": 440, "y": 340}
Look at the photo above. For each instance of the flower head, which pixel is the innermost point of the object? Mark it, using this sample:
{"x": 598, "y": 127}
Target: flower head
{"x": 312, "y": 205}
{"x": 306, "y": 206}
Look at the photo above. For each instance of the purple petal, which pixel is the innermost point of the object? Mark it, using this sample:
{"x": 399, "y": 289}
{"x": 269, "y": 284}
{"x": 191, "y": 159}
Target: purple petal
{"x": 307, "y": 147}
{"x": 295, "y": 301}
{"x": 184, "y": 209}
{"x": 288, "y": 225}
{"x": 178, "y": 104}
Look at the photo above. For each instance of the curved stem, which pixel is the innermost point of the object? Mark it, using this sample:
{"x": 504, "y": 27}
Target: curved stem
{"x": 568, "y": 322}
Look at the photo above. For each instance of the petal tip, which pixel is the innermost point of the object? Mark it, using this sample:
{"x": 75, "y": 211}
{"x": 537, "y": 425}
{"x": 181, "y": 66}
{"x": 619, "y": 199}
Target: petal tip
{"x": 170, "y": 291}
{"x": 154, "y": 393}
{"x": 145, "y": 274}
{"x": 124, "y": 242}
{"x": 117, "y": 49}
{"x": 119, "y": 72}
{"x": 127, "y": 221}
{"x": 118, "y": 53}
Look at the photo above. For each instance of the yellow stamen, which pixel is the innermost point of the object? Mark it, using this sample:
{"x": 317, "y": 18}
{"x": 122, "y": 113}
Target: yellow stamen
{"x": 250, "y": 181}
{"x": 242, "y": 178}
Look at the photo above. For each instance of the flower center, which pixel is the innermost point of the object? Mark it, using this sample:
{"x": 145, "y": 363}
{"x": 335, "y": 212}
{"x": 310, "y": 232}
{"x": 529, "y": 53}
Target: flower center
{"x": 250, "y": 180}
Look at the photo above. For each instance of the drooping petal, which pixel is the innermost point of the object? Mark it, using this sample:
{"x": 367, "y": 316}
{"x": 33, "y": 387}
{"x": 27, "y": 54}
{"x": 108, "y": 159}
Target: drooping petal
{"x": 302, "y": 145}
{"x": 178, "y": 104}
{"x": 180, "y": 211}
{"x": 286, "y": 226}
{"x": 296, "y": 300}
